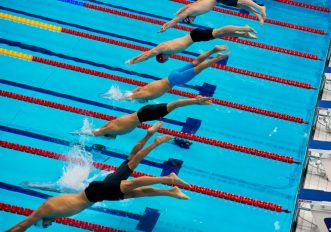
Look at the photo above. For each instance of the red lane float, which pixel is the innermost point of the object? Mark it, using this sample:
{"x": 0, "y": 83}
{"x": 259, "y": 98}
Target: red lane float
{"x": 172, "y": 91}
{"x": 192, "y": 137}
{"x": 271, "y": 21}
{"x": 194, "y": 188}
{"x": 229, "y": 38}
{"x": 304, "y": 5}
{"x": 65, "y": 221}
{"x": 188, "y": 59}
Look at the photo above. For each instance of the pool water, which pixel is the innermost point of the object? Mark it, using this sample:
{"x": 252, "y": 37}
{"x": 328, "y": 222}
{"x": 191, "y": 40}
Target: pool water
{"x": 203, "y": 164}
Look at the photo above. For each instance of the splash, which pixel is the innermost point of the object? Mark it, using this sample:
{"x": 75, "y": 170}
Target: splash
{"x": 86, "y": 129}
{"x": 274, "y": 131}
{"x": 75, "y": 173}
{"x": 277, "y": 225}
{"x": 115, "y": 93}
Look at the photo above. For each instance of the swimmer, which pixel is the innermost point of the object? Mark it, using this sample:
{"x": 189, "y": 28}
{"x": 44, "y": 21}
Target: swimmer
{"x": 189, "y": 12}
{"x": 177, "y": 77}
{"x": 165, "y": 49}
{"x": 129, "y": 122}
{"x": 114, "y": 187}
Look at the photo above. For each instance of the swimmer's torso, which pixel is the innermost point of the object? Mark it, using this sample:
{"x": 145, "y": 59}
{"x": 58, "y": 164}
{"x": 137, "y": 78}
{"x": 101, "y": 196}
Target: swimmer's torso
{"x": 201, "y": 7}
{"x": 66, "y": 205}
{"x": 154, "y": 89}
{"x": 124, "y": 124}
{"x": 177, "y": 45}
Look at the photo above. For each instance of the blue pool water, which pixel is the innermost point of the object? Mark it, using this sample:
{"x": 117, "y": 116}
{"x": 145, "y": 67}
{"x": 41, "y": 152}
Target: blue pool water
{"x": 203, "y": 165}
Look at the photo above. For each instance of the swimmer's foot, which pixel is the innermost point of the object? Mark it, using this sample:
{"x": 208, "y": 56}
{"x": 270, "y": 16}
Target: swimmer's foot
{"x": 174, "y": 179}
{"x": 154, "y": 128}
{"x": 261, "y": 19}
{"x": 219, "y": 48}
{"x": 263, "y": 12}
{"x": 200, "y": 100}
{"x": 176, "y": 193}
{"x": 163, "y": 139}
{"x": 221, "y": 56}
{"x": 249, "y": 29}
{"x": 249, "y": 35}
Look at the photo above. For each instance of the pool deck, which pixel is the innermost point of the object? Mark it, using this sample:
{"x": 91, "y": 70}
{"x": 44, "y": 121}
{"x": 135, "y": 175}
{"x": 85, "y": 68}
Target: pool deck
{"x": 314, "y": 180}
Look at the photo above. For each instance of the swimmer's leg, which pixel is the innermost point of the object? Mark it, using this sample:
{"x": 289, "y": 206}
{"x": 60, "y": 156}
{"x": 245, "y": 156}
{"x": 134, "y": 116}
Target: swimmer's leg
{"x": 205, "y": 55}
{"x": 151, "y": 192}
{"x": 231, "y": 31}
{"x": 209, "y": 63}
{"x": 129, "y": 185}
{"x": 253, "y": 5}
{"x": 150, "y": 132}
{"x": 140, "y": 155}
{"x": 186, "y": 102}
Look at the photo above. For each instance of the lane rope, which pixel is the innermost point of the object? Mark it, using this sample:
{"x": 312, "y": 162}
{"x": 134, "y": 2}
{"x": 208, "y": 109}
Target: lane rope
{"x": 65, "y": 221}
{"x": 251, "y": 109}
{"x": 270, "y": 21}
{"x": 194, "y": 188}
{"x": 175, "y": 56}
{"x": 192, "y": 137}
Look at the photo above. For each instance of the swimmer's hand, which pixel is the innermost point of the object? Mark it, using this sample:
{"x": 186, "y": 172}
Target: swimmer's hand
{"x": 164, "y": 27}
{"x": 129, "y": 62}
{"x": 200, "y": 100}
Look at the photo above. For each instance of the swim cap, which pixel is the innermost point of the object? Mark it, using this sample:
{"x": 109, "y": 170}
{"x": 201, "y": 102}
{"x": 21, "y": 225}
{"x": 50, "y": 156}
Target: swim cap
{"x": 188, "y": 19}
{"x": 161, "y": 58}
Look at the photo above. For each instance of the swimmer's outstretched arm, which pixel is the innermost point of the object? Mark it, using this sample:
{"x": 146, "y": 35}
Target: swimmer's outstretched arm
{"x": 174, "y": 21}
{"x": 42, "y": 186}
{"x": 146, "y": 55}
{"x": 29, "y": 221}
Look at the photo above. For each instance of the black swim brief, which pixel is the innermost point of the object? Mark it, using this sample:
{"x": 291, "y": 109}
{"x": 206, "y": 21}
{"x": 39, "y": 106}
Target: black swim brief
{"x": 109, "y": 189}
{"x": 152, "y": 112}
{"x": 198, "y": 35}
{"x": 228, "y": 2}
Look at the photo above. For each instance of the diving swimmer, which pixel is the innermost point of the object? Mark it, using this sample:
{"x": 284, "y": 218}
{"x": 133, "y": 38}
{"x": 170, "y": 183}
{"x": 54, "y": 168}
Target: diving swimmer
{"x": 165, "y": 49}
{"x": 127, "y": 123}
{"x": 189, "y": 12}
{"x": 114, "y": 187}
{"x": 177, "y": 77}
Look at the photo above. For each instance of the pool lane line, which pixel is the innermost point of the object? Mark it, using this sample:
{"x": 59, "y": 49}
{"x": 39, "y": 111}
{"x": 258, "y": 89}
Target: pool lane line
{"x": 217, "y": 9}
{"x": 81, "y": 100}
{"x": 45, "y": 51}
{"x": 304, "y": 5}
{"x": 192, "y": 137}
{"x": 34, "y": 193}
{"x": 264, "y": 46}
{"x": 251, "y": 109}
{"x": 189, "y": 29}
{"x": 65, "y": 220}
{"x": 179, "y": 57}
{"x": 194, "y": 188}
{"x": 62, "y": 142}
